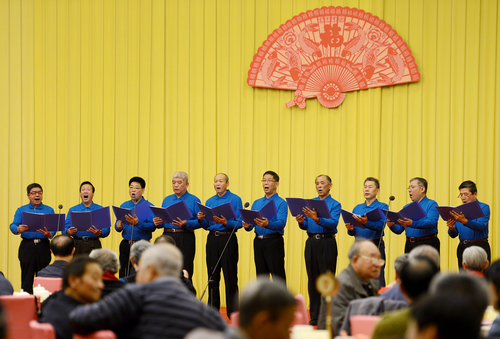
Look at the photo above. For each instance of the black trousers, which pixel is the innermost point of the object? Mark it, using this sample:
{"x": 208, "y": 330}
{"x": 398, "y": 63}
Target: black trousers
{"x": 229, "y": 266}
{"x": 320, "y": 256}
{"x": 126, "y": 267}
{"x": 461, "y": 248}
{"x": 33, "y": 257}
{"x": 434, "y": 242}
{"x": 86, "y": 246}
{"x": 381, "y": 277}
{"x": 186, "y": 242}
{"x": 269, "y": 256}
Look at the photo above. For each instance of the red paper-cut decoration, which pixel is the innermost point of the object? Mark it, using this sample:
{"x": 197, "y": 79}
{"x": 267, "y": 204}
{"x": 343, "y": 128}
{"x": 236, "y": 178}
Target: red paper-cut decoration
{"x": 328, "y": 51}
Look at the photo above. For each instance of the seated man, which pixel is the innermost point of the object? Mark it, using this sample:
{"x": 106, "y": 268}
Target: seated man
{"x": 357, "y": 281}
{"x": 475, "y": 260}
{"x": 492, "y": 275}
{"x": 158, "y": 306}
{"x": 62, "y": 247}
{"x": 393, "y": 290}
{"x": 82, "y": 284}
{"x": 110, "y": 266}
{"x": 135, "y": 254}
{"x": 5, "y": 285}
{"x": 266, "y": 312}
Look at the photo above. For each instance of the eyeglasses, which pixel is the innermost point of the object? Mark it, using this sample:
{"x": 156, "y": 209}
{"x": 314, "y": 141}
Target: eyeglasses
{"x": 268, "y": 181}
{"x": 464, "y": 195}
{"x": 36, "y": 192}
{"x": 374, "y": 261}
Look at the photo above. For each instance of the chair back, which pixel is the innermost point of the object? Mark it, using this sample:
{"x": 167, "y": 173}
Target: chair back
{"x": 302, "y": 309}
{"x": 51, "y": 284}
{"x": 363, "y": 324}
{"x": 42, "y": 330}
{"x": 235, "y": 319}
{"x": 19, "y": 311}
{"x": 103, "y": 334}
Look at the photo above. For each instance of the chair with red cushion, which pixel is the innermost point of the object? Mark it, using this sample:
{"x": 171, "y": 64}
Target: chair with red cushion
{"x": 104, "y": 334}
{"x": 363, "y": 324}
{"x": 19, "y": 311}
{"x": 51, "y": 284}
{"x": 42, "y": 330}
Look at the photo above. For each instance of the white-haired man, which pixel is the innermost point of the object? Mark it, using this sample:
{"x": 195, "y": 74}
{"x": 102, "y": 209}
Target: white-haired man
{"x": 158, "y": 306}
{"x": 182, "y": 230}
{"x": 110, "y": 266}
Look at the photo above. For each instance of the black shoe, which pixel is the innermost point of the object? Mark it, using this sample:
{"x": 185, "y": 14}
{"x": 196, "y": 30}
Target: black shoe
{"x": 313, "y": 323}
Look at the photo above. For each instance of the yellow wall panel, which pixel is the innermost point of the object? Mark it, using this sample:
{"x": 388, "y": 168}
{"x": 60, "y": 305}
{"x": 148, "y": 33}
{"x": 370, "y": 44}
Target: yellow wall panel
{"x": 105, "y": 90}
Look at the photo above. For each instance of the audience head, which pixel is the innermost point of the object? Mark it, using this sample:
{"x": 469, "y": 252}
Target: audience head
{"x": 266, "y": 309}
{"x": 416, "y": 275}
{"x": 425, "y": 251}
{"x": 365, "y": 259}
{"x": 474, "y": 258}
{"x": 165, "y": 239}
{"x": 82, "y": 279}
{"x": 62, "y": 246}
{"x": 137, "y": 249}
{"x": 107, "y": 259}
{"x": 399, "y": 263}
{"x": 492, "y": 274}
{"x": 159, "y": 260}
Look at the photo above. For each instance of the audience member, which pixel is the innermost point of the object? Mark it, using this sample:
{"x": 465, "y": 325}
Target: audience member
{"x": 427, "y": 251}
{"x": 82, "y": 284}
{"x": 416, "y": 276}
{"x": 3, "y": 323}
{"x": 266, "y": 312}
{"x": 5, "y": 285}
{"x": 492, "y": 274}
{"x": 357, "y": 281}
{"x": 135, "y": 254}
{"x": 157, "y": 306}
{"x": 475, "y": 260}
{"x": 110, "y": 267}
{"x": 63, "y": 248}
{"x": 393, "y": 292}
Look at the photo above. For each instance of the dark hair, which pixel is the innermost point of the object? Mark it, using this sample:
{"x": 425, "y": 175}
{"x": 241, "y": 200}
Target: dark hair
{"x": 264, "y": 295}
{"x": 421, "y": 182}
{"x": 275, "y": 175}
{"x": 416, "y": 275}
{"x": 138, "y": 180}
{"x": 375, "y": 180}
{"x": 162, "y": 239}
{"x": 33, "y": 185}
{"x": 469, "y": 185}
{"x": 62, "y": 245}
{"x": 77, "y": 267}
{"x": 3, "y": 323}
{"x": 87, "y": 183}
{"x": 492, "y": 274}
{"x": 454, "y": 316}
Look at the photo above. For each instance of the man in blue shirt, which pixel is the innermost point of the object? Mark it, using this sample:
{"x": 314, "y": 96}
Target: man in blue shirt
{"x": 268, "y": 245}
{"x": 220, "y": 234}
{"x": 321, "y": 247}
{"x": 423, "y": 231}
{"x": 85, "y": 241}
{"x": 471, "y": 232}
{"x": 34, "y": 251}
{"x": 374, "y": 230}
{"x": 141, "y": 229}
{"x": 182, "y": 230}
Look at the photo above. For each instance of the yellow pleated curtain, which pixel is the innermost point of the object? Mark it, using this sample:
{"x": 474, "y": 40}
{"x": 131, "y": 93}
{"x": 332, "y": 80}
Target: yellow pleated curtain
{"x": 104, "y": 90}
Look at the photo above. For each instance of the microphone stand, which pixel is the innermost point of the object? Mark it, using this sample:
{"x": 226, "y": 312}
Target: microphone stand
{"x": 220, "y": 257}
{"x": 385, "y": 220}
{"x": 127, "y": 272}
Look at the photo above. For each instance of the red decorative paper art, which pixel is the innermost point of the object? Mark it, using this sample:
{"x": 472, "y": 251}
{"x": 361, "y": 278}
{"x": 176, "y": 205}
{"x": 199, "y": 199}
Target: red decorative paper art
{"x": 329, "y": 51}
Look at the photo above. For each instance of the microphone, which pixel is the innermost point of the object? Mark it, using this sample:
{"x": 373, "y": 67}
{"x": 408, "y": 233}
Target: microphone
{"x": 222, "y": 253}
{"x": 58, "y": 218}
{"x": 391, "y": 199}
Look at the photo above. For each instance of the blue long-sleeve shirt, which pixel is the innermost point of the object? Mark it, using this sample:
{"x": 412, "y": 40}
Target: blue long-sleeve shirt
{"x": 278, "y": 222}
{"x": 373, "y": 229}
{"x": 325, "y": 225}
{"x": 191, "y": 201}
{"x": 217, "y": 201}
{"x": 143, "y": 229}
{"x": 82, "y": 208}
{"x": 425, "y": 226}
{"x": 18, "y": 217}
{"x": 475, "y": 229}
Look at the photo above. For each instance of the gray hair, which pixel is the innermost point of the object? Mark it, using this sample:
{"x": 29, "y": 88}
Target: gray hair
{"x": 399, "y": 263}
{"x": 137, "y": 249}
{"x": 475, "y": 258}
{"x": 224, "y": 174}
{"x": 425, "y": 251}
{"x": 106, "y": 258}
{"x": 166, "y": 259}
{"x": 356, "y": 247}
{"x": 181, "y": 175}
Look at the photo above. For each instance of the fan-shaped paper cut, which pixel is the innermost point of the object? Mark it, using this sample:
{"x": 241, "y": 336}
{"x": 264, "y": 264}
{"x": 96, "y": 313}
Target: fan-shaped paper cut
{"x": 329, "y": 51}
